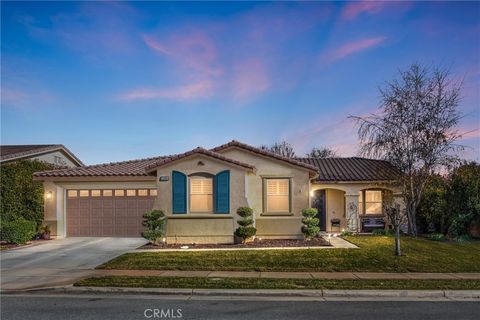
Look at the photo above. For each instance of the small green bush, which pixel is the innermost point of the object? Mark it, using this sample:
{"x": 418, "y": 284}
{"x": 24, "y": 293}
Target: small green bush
{"x": 390, "y": 233}
{"x": 245, "y": 222}
{"x": 436, "y": 237}
{"x": 245, "y": 232}
{"x": 245, "y": 212}
{"x": 463, "y": 238}
{"x": 346, "y": 233}
{"x": 378, "y": 232}
{"x": 310, "y": 222}
{"x": 154, "y": 222}
{"x": 246, "y": 229}
{"x": 18, "y": 231}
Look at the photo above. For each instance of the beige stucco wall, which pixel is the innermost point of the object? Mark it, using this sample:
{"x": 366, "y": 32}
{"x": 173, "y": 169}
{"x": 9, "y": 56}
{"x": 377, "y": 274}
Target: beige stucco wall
{"x": 337, "y": 202}
{"x": 200, "y": 229}
{"x": 193, "y": 227}
{"x": 277, "y": 225}
{"x": 335, "y": 207}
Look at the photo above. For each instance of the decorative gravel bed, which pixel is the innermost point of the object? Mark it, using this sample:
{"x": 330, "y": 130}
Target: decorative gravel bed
{"x": 264, "y": 243}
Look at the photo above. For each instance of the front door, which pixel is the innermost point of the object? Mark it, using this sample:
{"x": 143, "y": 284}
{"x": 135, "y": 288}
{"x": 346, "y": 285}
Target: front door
{"x": 318, "y": 202}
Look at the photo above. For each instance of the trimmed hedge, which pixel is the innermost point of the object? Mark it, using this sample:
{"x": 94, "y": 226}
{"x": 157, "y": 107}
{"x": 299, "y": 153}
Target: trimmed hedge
{"x": 18, "y": 231}
{"x": 20, "y": 196}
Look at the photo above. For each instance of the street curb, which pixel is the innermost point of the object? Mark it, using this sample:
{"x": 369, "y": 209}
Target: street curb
{"x": 454, "y": 294}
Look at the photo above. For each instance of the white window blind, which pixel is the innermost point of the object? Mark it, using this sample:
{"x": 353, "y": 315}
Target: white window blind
{"x": 201, "y": 195}
{"x": 278, "y": 197}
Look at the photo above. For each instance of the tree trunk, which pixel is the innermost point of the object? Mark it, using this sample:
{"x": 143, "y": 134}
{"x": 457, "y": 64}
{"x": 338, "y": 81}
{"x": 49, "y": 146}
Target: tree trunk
{"x": 397, "y": 241}
{"x": 412, "y": 224}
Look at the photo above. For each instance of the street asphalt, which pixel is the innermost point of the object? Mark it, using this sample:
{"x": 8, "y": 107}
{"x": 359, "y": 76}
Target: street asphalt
{"x": 106, "y": 307}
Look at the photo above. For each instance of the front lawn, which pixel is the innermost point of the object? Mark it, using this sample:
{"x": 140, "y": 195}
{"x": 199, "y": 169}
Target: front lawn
{"x": 255, "y": 283}
{"x": 375, "y": 255}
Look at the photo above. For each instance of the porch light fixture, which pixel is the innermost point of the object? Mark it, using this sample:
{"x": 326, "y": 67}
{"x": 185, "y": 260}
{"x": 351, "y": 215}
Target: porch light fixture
{"x": 49, "y": 195}
{"x": 312, "y": 193}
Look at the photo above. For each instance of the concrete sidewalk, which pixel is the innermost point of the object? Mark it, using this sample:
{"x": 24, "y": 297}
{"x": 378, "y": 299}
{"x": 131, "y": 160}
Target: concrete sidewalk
{"x": 288, "y": 275}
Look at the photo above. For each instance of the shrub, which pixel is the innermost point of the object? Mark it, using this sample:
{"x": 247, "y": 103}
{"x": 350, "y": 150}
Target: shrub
{"x": 20, "y": 196}
{"x": 390, "y": 232}
{"x": 310, "y": 222}
{"x": 346, "y": 233}
{"x": 433, "y": 214}
{"x": 246, "y": 229}
{"x": 18, "y": 231}
{"x": 154, "y": 222}
{"x": 463, "y": 198}
{"x": 436, "y": 237}
{"x": 378, "y": 232}
{"x": 463, "y": 238}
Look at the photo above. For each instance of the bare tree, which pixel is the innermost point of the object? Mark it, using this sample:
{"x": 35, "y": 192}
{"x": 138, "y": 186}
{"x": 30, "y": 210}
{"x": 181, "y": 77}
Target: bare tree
{"x": 397, "y": 218}
{"x": 321, "y": 153}
{"x": 283, "y": 148}
{"x": 414, "y": 129}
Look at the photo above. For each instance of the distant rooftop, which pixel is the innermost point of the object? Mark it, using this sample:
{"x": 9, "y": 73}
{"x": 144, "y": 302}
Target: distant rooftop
{"x": 19, "y": 151}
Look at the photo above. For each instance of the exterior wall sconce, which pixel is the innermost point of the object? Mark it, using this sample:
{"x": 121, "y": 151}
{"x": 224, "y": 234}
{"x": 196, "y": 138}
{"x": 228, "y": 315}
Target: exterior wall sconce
{"x": 49, "y": 195}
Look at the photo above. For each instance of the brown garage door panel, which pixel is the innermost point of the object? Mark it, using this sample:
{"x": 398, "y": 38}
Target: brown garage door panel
{"x": 106, "y": 216}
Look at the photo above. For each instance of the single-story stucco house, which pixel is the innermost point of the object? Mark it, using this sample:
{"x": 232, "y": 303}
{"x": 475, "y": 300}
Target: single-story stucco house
{"x": 200, "y": 191}
{"x": 56, "y": 154}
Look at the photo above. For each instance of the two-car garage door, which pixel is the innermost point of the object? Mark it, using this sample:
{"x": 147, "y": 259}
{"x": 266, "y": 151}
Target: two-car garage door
{"x": 107, "y": 212}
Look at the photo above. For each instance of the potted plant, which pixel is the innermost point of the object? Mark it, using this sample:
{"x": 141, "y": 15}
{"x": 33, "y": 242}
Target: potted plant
{"x": 45, "y": 232}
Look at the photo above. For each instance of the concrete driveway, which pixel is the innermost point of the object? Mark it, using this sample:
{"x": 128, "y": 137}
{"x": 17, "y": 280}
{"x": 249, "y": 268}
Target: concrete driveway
{"x": 59, "y": 262}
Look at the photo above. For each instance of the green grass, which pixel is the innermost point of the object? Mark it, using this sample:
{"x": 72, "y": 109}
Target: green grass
{"x": 254, "y": 283}
{"x": 375, "y": 255}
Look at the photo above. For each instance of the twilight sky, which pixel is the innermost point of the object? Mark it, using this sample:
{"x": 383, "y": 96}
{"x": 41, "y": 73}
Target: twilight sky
{"x": 118, "y": 81}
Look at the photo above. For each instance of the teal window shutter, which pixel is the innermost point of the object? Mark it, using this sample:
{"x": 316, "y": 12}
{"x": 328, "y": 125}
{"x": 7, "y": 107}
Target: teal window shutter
{"x": 222, "y": 192}
{"x": 179, "y": 192}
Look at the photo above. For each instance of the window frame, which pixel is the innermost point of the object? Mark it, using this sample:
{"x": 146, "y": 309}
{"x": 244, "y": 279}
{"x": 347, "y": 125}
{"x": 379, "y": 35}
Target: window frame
{"x": 189, "y": 190}
{"x": 265, "y": 196}
{"x": 365, "y": 202}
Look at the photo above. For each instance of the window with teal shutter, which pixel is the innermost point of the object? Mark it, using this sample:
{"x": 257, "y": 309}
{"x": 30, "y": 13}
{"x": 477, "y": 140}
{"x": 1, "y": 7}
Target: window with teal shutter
{"x": 179, "y": 192}
{"x": 222, "y": 192}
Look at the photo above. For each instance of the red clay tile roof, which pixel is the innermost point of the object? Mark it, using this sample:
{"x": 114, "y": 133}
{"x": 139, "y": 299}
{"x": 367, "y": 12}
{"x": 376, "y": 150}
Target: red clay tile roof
{"x": 266, "y": 153}
{"x": 329, "y": 169}
{"x": 198, "y": 150}
{"x": 116, "y": 169}
{"x": 352, "y": 169}
{"x": 11, "y": 152}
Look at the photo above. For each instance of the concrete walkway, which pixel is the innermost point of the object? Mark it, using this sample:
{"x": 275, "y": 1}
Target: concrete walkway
{"x": 288, "y": 275}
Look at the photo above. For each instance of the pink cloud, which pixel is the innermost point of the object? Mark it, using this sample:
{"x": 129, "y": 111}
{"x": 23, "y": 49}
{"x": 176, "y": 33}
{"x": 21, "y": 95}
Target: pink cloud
{"x": 471, "y": 134}
{"x": 13, "y": 96}
{"x": 21, "y": 97}
{"x": 198, "y": 90}
{"x": 353, "y": 47}
{"x": 250, "y": 78}
{"x": 191, "y": 50}
{"x": 355, "y": 8}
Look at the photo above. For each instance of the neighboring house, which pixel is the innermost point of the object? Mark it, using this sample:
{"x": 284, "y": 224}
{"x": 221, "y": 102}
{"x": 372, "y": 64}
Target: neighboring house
{"x": 200, "y": 191}
{"x": 55, "y": 154}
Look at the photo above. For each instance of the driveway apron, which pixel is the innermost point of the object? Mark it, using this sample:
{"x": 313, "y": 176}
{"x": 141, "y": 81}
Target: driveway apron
{"x": 59, "y": 262}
